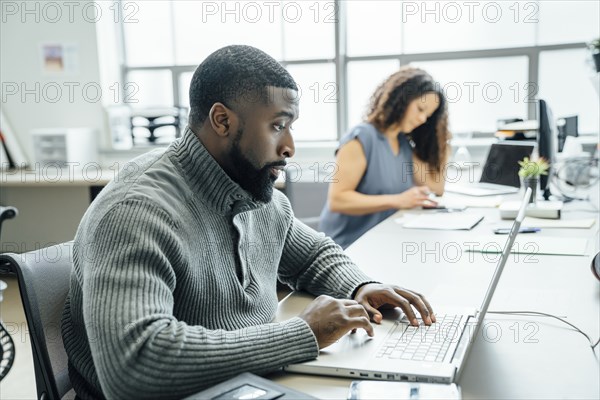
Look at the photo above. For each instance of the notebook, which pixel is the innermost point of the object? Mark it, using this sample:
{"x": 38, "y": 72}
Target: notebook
{"x": 401, "y": 352}
{"x": 500, "y": 172}
{"x": 443, "y": 221}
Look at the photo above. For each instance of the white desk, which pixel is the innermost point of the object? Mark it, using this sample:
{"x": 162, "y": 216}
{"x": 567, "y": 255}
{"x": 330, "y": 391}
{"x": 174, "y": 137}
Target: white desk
{"x": 51, "y": 203}
{"x": 514, "y": 356}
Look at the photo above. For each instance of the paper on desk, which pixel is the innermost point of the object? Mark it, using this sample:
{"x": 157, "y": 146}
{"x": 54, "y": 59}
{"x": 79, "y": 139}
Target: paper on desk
{"x": 382, "y": 390}
{"x": 558, "y": 223}
{"x": 451, "y": 200}
{"x": 442, "y": 221}
{"x": 534, "y": 244}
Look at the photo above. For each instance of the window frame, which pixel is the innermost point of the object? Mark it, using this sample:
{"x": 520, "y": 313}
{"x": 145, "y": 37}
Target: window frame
{"x": 341, "y": 60}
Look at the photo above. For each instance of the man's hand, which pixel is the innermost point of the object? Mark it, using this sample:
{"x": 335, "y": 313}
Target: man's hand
{"x": 374, "y": 295}
{"x": 330, "y": 319}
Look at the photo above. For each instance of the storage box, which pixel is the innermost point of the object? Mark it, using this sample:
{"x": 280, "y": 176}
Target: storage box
{"x": 541, "y": 209}
{"x": 72, "y": 147}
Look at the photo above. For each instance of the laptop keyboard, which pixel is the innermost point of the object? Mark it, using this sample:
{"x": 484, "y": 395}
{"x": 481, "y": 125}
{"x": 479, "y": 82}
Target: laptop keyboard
{"x": 421, "y": 343}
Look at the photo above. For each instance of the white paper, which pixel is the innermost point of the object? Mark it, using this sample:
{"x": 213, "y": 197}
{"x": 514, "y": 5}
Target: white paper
{"x": 382, "y": 390}
{"x": 444, "y": 221}
{"x": 451, "y": 200}
{"x": 533, "y": 244}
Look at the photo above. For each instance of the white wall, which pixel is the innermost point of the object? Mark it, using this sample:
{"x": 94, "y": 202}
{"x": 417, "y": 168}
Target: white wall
{"x": 25, "y": 26}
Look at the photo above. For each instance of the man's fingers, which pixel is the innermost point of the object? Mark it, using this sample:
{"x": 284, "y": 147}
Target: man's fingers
{"x": 395, "y": 296}
{"x": 330, "y": 319}
{"x": 429, "y": 308}
{"x": 410, "y": 314}
{"x": 366, "y": 310}
{"x": 357, "y": 310}
{"x": 400, "y": 298}
{"x": 373, "y": 313}
{"x": 418, "y": 303}
{"x": 362, "y": 322}
{"x": 358, "y": 318}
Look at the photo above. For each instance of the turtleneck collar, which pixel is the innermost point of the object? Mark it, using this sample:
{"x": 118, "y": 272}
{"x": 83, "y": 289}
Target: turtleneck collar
{"x": 207, "y": 179}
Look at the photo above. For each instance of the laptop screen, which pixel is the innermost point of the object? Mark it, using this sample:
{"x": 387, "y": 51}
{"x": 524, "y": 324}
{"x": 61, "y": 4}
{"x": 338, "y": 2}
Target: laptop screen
{"x": 501, "y": 166}
{"x": 505, "y": 253}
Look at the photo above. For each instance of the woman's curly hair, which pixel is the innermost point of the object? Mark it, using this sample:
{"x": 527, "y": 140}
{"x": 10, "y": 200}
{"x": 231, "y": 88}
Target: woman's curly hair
{"x": 391, "y": 99}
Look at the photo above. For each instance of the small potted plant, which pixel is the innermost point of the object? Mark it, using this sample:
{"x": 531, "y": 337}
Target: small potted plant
{"x": 594, "y": 47}
{"x": 530, "y": 173}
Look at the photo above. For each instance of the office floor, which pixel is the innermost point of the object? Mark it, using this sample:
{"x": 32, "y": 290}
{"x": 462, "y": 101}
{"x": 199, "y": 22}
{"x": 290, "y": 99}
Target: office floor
{"x": 19, "y": 384}
{"x": 20, "y": 381}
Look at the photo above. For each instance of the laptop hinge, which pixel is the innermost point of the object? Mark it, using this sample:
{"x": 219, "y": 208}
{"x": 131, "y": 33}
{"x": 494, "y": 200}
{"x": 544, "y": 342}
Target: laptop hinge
{"x": 465, "y": 344}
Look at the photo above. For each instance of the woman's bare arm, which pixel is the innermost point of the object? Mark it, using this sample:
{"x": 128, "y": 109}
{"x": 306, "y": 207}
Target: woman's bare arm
{"x": 343, "y": 197}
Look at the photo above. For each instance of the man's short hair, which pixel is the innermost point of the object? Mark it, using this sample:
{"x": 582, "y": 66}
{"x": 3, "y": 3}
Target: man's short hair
{"x": 235, "y": 76}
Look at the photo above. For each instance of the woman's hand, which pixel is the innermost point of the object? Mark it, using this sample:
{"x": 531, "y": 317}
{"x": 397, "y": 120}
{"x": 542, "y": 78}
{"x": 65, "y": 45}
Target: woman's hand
{"x": 417, "y": 196}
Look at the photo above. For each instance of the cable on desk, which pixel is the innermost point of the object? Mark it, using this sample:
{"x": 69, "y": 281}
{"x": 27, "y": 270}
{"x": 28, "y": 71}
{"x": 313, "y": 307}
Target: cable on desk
{"x": 592, "y": 345}
{"x": 575, "y": 174}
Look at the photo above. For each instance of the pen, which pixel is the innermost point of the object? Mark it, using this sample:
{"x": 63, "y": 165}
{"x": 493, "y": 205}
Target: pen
{"x": 529, "y": 230}
{"x": 506, "y": 231}
{"x": 442, "y": 209}
{"x": 449, "y": 210}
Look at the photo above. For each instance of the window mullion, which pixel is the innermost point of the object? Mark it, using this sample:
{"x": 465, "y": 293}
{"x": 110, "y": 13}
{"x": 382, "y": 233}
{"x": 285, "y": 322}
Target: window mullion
{"x": 341, "y": 69}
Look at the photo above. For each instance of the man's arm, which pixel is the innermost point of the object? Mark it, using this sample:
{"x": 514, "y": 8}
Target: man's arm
{"x": 315, "y": 263}
{"x": 140, "y": 349}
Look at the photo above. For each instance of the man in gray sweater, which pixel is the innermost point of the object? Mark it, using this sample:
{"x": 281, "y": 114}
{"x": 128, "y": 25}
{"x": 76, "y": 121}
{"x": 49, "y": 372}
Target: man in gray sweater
{"x": 176, "y": 262}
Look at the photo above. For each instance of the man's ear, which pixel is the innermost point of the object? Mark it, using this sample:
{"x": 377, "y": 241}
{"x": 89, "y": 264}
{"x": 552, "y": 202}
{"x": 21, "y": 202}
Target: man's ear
{"x": 221, "y": 119}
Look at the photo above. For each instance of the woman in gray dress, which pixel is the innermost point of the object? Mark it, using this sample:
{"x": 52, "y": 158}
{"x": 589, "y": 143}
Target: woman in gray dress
{"x": 394, "y": 160}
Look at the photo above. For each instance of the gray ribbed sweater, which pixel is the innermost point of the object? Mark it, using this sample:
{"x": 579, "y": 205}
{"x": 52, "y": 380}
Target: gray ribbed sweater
{"x": 174, "y": 280}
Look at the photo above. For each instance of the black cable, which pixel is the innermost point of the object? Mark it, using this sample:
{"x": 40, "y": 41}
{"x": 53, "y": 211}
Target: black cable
{"x": 592, "y": 345}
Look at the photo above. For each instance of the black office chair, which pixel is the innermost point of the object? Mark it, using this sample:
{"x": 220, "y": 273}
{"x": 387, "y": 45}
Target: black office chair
{"x": 7, "y": 346}
{"x": 7, "y": 213}
{"x": 43, "y": 277}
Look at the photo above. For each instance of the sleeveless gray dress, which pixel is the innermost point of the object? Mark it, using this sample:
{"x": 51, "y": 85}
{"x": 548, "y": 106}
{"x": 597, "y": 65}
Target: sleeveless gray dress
{"x": 386, "y": 173}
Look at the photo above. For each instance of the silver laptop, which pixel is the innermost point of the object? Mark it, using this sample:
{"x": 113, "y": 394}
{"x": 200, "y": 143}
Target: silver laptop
{"x": 500, "y": 172}
{"x": 401, "y": 352}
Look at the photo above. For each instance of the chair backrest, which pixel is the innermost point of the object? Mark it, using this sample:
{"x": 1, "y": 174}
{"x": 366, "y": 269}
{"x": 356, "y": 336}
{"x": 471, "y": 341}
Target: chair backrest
{"x": 307, "y": 199}
{"x": 43, "y": 277}
{"x": 7, "y": 213}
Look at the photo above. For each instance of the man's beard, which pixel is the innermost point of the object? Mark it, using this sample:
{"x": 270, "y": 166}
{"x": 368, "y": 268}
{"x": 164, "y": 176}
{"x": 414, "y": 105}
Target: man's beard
{"x": 258, "y": 182}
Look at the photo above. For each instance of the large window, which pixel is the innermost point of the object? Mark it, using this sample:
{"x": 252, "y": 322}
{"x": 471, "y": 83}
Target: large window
{"x": 477, "y": 89}
{"x": 566, "y": 81}
{"x": 492, "y": 59}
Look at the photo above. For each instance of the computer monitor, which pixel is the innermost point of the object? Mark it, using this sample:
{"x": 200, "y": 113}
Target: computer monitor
{"x": 546, "y": 139}
{"x": 567, "y": 126}
{"x": 502, "y": 163}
